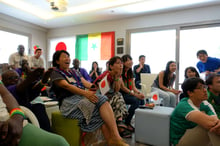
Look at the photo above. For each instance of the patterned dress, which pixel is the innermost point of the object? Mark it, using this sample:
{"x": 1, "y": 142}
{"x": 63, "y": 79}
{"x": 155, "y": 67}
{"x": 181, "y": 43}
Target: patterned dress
{"x": 116, "y": 99}
{"x": 76, "y": 106}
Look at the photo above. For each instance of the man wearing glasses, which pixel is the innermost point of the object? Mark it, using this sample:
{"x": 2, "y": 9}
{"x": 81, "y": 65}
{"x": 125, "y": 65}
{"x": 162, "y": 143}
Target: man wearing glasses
{"x": 194, "y": 121}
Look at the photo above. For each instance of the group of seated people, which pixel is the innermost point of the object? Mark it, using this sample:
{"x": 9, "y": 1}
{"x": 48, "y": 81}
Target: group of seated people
{"x": 83, "y": 99}
{"x": 92, "y": 109}
{"x": 69, "y": 86}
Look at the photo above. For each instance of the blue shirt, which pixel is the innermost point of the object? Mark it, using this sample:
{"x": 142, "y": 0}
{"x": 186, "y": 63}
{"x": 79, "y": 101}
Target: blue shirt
{"x": 26, "y": 97}
{"x": 211, "y": 65}
{"x": 84, "y": 73}
{"x": 145, "y": 69}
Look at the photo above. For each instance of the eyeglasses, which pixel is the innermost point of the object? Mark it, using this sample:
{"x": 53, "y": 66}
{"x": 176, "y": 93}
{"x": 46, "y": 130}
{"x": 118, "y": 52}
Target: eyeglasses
{"x": 202, "y": 87}
{"x": 13, "y": 77}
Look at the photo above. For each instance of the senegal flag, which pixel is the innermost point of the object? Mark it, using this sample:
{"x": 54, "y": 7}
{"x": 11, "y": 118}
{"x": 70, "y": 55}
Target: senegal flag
{"x": 95, "y": 46}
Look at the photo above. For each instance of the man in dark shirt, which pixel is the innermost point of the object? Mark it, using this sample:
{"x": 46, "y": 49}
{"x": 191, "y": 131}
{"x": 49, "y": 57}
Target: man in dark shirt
{"x": 140, "y": 68}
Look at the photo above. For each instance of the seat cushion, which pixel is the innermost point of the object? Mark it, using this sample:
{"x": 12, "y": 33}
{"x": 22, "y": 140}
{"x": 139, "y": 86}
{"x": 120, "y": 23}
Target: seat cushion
{"x": 68, "y": 128}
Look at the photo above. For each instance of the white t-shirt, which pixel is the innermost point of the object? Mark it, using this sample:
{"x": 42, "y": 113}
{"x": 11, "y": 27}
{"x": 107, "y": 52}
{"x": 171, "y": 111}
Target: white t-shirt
{"x": 34, "y": 62}
{"x": 4, "y": 115}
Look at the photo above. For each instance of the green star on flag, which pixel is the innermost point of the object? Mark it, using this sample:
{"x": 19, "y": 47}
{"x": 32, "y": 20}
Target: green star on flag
{"x": 94, "y": 46}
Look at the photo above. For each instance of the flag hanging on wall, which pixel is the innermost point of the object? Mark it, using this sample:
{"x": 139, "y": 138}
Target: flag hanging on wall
{"x": 95, "y": 46}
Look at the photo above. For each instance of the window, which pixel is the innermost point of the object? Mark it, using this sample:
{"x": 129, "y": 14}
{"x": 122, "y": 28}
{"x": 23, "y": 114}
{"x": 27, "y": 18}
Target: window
{"x": 159, "y": 47}
{"x": 192, "y": 40}
{"x": 9, "y": 44}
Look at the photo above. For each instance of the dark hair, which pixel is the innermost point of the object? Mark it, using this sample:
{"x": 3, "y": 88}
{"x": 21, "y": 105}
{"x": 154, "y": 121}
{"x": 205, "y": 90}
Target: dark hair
{"x": 193, "y": 69}
{"x": 210, "y": 78}
{"x": 56, "y": 57}
{"x": 141, "y": 56}
{"x": 201, "y": 52}
{"x": 96, "y": 64}
{"x": 124, "y": 58}
{"x": 20, "y": 47}
{"x": 190, "y": 84}
{"x": 166, "y": 73}
{"x": 38, "y": 49}
{"x": 5, "y": 75}
{"x": 107, "y": 62}
{"x": 113, "y": 60}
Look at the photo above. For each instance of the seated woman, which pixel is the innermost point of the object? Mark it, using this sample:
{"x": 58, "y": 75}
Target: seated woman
{"x": 75, "y": 102}
{"x": 190, "y": 72}
{"x": 26, "y": 90}
{"x": 131, "y": 94}
{"x": 116, "y": 100}
{"x": 94, "y": 72}
{"x": 194, "y": 121}
{"x": 163, "y": 84}
{"x": 14, "y": 130}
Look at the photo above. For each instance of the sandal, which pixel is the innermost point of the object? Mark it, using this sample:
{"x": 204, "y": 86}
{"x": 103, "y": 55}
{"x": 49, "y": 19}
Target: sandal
{"x": 121, "y": 124}
{"x": 130, "y": 128}
{"x": 126, "y": 134}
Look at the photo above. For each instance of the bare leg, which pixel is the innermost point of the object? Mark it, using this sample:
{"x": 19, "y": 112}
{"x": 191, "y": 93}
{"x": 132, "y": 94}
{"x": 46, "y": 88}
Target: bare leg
{"x": 109, "y": 129}
{"x": 105, "y": 132}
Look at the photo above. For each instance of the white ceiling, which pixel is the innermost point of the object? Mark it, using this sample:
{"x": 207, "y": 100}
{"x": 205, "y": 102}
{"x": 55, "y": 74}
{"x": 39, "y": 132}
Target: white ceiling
{"x": 89, "y": 11}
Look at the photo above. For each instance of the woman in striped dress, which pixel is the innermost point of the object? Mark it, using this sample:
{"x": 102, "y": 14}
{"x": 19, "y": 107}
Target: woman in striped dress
{"x": 91, "y": 110}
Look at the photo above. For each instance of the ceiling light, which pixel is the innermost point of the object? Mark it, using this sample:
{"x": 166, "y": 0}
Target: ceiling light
{"x": 58, "y": 5}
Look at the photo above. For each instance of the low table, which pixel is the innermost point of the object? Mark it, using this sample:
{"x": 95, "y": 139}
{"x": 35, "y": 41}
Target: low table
{"x": 152, "y": 126}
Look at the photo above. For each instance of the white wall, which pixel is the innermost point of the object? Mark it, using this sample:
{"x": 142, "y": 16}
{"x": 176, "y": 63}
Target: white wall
{"x": 41, "y": 35}
{"x": 38, "y": 34}
{"x": 180, "y": 17}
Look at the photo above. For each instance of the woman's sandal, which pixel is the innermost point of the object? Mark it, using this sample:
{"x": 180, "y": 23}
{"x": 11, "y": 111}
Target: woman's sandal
{"x": 121, "y": 124}
{"x": 125, "y": 134}
{"x": 130, "y": 128}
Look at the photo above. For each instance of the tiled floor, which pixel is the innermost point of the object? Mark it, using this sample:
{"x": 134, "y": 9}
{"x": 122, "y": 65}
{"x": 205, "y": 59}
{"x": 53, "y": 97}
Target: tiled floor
{"x": 131, "y": 142}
